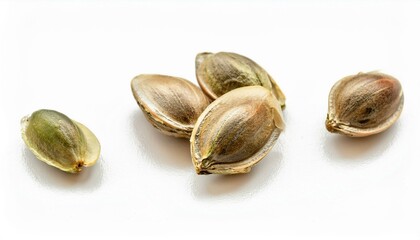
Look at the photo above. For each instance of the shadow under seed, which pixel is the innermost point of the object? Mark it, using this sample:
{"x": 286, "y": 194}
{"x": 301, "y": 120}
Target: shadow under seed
{"x": 238, "y": 185}
{"x": 89, "y": 179}
{"x": 162, "y": 150}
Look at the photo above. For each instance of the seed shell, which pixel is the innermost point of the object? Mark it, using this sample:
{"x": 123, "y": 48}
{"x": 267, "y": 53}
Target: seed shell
{"x": 219, "y": 73}
{"x": 364, "y": 104}
{"x": 236, "y": 131}
{"x": 170, "y": 104}
{"x": 59, "y": 141}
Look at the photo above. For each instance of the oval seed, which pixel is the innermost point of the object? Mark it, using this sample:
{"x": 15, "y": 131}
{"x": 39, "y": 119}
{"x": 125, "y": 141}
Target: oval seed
{"x": 59, "y": 141}
{"x": 364, "y": 104}
{"x": 219, "y": 73}
{"x": 170, "y": 104}
{"x": 236, "y": 131}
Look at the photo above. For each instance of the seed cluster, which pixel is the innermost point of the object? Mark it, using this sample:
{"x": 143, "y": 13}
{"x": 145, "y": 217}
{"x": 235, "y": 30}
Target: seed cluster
{"x": 231, "y": 134}
{"x": 232, "y": 120}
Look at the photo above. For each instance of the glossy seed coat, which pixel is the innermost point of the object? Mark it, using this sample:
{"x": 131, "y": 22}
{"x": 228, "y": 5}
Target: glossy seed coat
{"x": 236, "y": 131}
{"x": 59, "y": 141}
{"x": 364, "y": 104}
{"x": 170, "y": 104}
{"x": 219, "y": 73}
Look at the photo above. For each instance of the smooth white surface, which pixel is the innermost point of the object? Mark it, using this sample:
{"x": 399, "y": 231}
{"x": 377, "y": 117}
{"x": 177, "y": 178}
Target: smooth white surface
{"x": 79, "y": 58}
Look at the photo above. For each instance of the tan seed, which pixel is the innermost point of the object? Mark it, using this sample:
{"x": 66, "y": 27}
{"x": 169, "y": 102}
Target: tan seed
{"x": 236, "y": 131}
{"x": 364, "y": 104}
{"x": 170, "y": 104}
{"x": 219, "y": 73}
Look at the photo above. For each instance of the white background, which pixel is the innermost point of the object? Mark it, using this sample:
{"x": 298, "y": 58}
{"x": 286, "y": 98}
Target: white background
{"x": 78, "y": 57}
